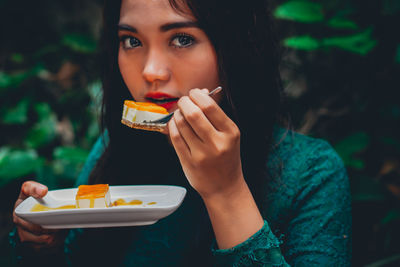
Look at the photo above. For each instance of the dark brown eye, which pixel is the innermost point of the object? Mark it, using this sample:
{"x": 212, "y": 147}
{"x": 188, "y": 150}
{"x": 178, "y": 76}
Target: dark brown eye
{"x": 182, "y": 40}
{"x": 130, "y": 42}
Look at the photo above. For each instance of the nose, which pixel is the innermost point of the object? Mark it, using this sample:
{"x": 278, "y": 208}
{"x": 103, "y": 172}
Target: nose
{"x": 156, "y": 67}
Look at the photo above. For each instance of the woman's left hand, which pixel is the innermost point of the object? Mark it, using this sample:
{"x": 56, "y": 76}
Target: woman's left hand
{"x": 207, "y": 142}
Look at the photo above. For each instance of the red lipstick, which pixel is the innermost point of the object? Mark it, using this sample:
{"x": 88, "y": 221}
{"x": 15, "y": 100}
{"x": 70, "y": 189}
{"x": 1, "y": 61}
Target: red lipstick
{"x": 162, "y": 99}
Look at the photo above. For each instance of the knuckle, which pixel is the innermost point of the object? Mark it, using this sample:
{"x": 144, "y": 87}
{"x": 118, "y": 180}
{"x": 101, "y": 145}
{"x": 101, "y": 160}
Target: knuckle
{"x": 179, "y": 103}
{"x": 182, "y": 100}
{"x": 22, "y": 238}
{"x": 194, "y": 115}
{"x": 21, "y": 235}
{"x": 25, "y": 186}
{"x": 49, "y": 239}
{"x": 237, "y": 135}
{"x": 195, "y": 92}
{"x": 179, "y": 120}
{"x": 209, "y": 108}
{"x": 15, "y": 219}
{"x": 221, "y": 150}
{"x": 201, "y": 159}
{"x": 174, "y": 136}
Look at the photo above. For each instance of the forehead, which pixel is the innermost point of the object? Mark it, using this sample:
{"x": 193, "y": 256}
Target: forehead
{"x": 142, "y": 11}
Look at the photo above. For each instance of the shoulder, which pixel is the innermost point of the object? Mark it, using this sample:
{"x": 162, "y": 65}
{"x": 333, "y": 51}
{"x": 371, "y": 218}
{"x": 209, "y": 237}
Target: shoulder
{"x": 304, "y": 169}
{"x": 290, "y": 145}
{"x": 304, "y": 160}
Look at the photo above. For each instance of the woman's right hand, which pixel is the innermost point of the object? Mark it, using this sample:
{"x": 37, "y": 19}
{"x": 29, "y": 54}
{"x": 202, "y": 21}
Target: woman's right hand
{"x": 34, "y": 234}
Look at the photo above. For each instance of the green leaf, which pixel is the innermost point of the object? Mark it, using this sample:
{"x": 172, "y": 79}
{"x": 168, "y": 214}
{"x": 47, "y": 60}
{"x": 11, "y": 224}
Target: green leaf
{"x": 43, "y": 111}
{"x": 361, "y": 43}
{"x": 17, "y": 114}
{"x": 351, "y": 145}
{"x": 17, "y": 163}
{"x": 17, "y": 57}
{"x": 392, "y": 215}
{"x": 397, "y": 57}
{"x": 80, "y": 43}
{"x": 15, "y": 79}
{"x": 300, "y": 11}
{"x": 342, "y": 23}
{"x": 71, "y": 154}
{"x": 304, "y": 42}
{"x": 12, "y": 80}
{"x": 44, "y": 131}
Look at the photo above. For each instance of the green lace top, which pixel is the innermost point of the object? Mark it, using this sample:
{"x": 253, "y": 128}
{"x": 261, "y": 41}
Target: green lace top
{"x": 307, "y": 215}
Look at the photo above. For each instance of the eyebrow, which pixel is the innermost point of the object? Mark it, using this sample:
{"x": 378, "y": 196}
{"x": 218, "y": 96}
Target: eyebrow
{"x": 163, "y": 28}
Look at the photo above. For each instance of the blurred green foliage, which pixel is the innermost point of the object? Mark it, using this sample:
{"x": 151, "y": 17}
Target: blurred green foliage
{"x": 49, "y": 89}
{"x": 340, "y": 70}
{"x": 50, "y": 96}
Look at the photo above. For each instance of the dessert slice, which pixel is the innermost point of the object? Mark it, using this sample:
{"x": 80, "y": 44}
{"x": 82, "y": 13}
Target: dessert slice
{"x": 93, "y": 196}
{"x": 142, "y": 111}
{"x": 136, "y": 114}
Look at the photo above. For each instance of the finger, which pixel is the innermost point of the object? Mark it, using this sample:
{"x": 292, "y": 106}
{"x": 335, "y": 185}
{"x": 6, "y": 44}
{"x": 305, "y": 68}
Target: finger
{"x": 182, "y": 149}
{"x": 212, "y": 111}
{"x": 30, "y": 227}
{"x": 32, "y": 188}
{"x": 197, "y": 120}
{"x": 186, "y": 131}
{"x": 52, "y": 242}
{"x": 26, "y": 236}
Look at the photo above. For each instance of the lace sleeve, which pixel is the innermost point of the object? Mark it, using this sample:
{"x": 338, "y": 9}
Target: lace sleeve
{"x": 319, "y": 229}
{"x": 261, "y": 249}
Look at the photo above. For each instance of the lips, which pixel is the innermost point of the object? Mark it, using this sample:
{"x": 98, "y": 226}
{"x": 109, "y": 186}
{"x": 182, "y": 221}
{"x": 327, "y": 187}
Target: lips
{"x": 162, "y": 99}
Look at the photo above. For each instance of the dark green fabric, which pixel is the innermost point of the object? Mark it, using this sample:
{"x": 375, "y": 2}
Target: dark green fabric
{"x": 306, "y": 209}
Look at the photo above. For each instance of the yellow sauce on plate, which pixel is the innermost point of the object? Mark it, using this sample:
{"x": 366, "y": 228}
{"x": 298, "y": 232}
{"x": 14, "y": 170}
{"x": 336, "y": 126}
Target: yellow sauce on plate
{"x": 122, "y": 202}
{"x": 40, "y": 207}
{"x": 118, "y": 202}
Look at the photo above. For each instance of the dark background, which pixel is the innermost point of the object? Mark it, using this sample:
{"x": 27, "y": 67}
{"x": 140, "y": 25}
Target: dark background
{"x": 341, "y": 68}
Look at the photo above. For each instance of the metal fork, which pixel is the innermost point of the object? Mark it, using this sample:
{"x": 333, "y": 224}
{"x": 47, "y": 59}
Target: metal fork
{"x": 166, "y": 118}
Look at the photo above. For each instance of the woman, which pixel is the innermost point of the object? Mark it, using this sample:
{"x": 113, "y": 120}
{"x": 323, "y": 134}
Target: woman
{"x": 264, "y": 195}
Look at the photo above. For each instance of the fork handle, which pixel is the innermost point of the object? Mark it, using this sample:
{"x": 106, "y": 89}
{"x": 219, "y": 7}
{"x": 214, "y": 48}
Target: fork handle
{"x": 169, "y": 116}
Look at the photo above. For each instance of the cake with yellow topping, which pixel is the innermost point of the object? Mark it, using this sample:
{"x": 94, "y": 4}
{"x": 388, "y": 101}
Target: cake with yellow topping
{"x": 142, "y": 111}
{"x": 93, "y": 196}
{"x": 137, "y": 114}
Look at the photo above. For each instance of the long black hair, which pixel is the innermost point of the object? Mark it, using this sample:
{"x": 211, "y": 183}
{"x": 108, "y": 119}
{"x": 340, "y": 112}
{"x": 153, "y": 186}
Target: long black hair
{"x": 248, "y": 58}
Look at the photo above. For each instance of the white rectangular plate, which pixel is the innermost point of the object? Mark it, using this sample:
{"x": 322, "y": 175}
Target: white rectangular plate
{"x": 167, "y": 198}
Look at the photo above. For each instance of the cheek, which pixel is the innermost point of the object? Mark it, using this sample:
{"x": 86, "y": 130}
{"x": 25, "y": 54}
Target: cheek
{"x": 129, "y": 73}
{"x": 205, "y": 70}
{"x": 196, "y": 68}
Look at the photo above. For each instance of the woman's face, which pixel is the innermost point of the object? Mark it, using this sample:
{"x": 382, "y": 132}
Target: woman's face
{"x": 163, "y": 54}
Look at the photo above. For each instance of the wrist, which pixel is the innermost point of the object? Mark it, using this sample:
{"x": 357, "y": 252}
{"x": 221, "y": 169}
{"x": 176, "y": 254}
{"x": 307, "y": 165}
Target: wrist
{"x": 233, "y": 200}
{"x": 234, "y": 189}
{"x": 234, "y": 215}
